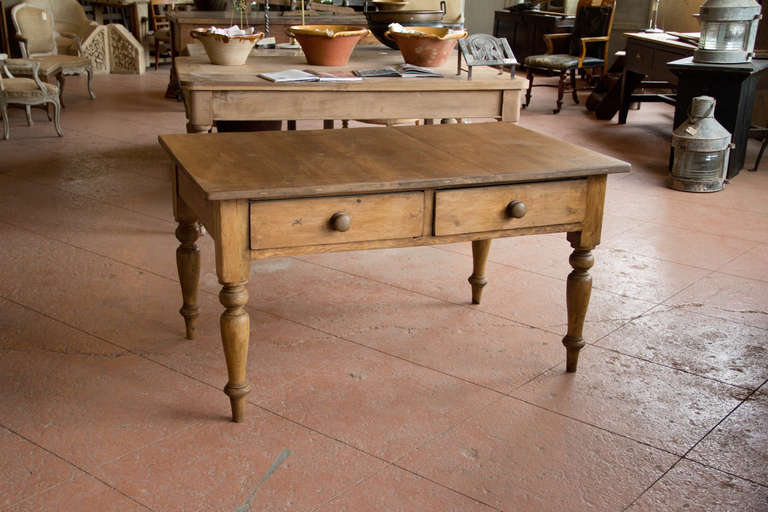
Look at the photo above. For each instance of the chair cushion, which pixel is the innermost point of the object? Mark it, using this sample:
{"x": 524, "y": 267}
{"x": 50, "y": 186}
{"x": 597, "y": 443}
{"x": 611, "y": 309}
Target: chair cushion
{"x": 162, "y": 35}
{"x": 51, "y": 64}
{"x": 26, "y": 88}
{"x": 560, "y": 62}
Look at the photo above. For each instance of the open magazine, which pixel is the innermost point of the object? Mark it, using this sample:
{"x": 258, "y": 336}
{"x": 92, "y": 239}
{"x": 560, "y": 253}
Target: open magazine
{"x": 310, "y": 75}
{"x": 401, "y": 70}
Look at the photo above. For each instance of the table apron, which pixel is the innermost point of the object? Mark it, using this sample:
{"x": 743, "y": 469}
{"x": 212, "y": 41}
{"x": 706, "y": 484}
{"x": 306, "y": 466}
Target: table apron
{"x": 265, "y": 105}
{"x": 259, "y": 254}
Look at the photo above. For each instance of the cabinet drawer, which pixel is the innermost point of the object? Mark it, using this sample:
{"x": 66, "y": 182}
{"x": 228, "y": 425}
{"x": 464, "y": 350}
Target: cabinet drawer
{"x": 298, "y": 222}
{"x": 474, "y": 210}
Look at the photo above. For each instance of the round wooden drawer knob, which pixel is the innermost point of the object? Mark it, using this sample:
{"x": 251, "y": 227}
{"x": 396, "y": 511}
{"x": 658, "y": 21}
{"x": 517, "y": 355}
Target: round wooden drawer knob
{"x": 340, "y": 221}
{"x": 516, "y": 209}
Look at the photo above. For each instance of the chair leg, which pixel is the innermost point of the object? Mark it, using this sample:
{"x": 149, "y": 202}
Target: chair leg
{"x": 760, "y": 153}
{"x": 573, "y": 85}
{"x": 530, "y": 87}
{"x": 560, "y": 92}
{"x": 60, "y": 85}
{"x": 89, "y": 72}
{"x": 28, "y": 111}
{"x": 6, "y": 126}
{"x": 57, "y": 117}
{"x": 157, "y": 54}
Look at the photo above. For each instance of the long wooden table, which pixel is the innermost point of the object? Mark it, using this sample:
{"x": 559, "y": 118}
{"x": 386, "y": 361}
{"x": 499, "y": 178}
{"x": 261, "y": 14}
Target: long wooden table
{"x": 646, "y": 66}
{"x": 443, "y": 184}
{"x": 236, "y": 93}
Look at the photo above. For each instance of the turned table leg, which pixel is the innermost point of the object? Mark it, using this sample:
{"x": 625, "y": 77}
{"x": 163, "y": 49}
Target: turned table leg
{"x": 235, "y": 328}
{"x": 188, "y": 265}
{"x": 480, "y": 250}
{"x": 578, "y": 291}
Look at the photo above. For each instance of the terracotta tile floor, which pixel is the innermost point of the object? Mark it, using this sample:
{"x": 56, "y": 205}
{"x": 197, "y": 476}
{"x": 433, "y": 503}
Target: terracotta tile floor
{"x": 376, "y": 384}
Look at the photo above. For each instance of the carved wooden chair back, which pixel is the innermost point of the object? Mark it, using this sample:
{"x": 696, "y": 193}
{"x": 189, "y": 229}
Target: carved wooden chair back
{"x": 35, "y": 25}
{"x": 594, "y": 18}
{"x": 157, "y": 14}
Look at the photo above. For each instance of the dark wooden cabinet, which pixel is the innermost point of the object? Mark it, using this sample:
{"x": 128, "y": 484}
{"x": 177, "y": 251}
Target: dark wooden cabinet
{"x": 525, "y": 30}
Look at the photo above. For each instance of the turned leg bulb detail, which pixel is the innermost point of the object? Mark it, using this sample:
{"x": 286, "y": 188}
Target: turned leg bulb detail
{"x": 578, "y": 291}
{"x": 188, "y": 265}
{"x": 235, "y": 329}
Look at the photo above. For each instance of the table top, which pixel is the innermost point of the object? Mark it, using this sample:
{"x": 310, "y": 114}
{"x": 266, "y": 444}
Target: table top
{"x": 363, "y": 160}
{"x": 661, "y": 38}
{"x": 198, "y": 73}
{"x": 687, "y": 64}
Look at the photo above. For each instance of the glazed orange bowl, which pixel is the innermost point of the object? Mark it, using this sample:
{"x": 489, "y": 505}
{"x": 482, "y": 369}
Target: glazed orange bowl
{"x": 425, "y": 46}
{"x": 327, "y": 45}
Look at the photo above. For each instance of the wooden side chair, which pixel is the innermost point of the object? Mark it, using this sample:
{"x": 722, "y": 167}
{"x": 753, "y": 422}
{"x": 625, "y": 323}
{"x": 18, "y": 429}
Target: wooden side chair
{"x": 25, "y": 92}
{"x": 584, "y": 48}
{"x": 161, "y": 27}
{"x": 37, "y": 40}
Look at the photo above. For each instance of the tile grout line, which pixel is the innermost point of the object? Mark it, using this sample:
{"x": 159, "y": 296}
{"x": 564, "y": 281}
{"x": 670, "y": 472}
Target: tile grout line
{"x": 83, "y": 470}
{"x": 685, "y": 455}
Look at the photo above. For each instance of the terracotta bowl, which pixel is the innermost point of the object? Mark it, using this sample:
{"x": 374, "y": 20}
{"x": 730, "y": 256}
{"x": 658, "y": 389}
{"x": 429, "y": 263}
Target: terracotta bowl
{"x": 378, "y": 21}
{"x": 225, "y": 50}
{"x": 426, "y": 46}
{"x": 327, "y": 45}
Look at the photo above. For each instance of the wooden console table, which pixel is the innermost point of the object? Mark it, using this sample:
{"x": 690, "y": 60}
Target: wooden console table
{"x": 646, "y": 65}
{"x": 443, "y": 184}
{"x": 236, "y": 93}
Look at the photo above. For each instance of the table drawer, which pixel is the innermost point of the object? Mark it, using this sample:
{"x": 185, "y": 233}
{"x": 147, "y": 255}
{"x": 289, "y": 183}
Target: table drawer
{"x": 639, "y": 59}
{"x": 298, "y": 222}
{"x": 474, "y": 210}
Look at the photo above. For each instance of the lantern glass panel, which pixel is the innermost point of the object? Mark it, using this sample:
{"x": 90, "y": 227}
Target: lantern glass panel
{"x": 700, "y": 164}
{"x": 724, "y": 35}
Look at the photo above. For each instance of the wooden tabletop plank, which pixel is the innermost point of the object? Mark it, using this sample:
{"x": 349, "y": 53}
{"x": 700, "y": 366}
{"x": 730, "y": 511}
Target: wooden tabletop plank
{"x": 271, "y": 165}
{"x": 198, "y": 73}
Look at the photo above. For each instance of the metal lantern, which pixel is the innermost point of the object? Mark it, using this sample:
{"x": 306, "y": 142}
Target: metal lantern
{"x": 701, "y": 148}
{"x": 728, "y": 31}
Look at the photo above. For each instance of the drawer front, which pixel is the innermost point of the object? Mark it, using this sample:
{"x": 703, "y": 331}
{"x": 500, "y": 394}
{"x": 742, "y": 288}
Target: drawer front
{"x": 299, "y": 222}
{"x": 639, "y": 59}
{"x": 475, "y": 210}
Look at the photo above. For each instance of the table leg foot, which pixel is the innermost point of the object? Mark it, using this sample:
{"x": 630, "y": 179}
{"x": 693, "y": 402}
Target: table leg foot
{"x": 235, "y": 329}
{"x": 578, "y": 291}
{"x": 478, "y": 280}
{"x": 188, "y": 265}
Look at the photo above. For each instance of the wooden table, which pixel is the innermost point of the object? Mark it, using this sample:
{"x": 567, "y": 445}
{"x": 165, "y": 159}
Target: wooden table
{"x": 646, "y": 66}
{"x": 443, "y": 184}
{"x": 236, "y": 93}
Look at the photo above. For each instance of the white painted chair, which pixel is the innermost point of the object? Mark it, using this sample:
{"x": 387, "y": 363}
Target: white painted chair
{"x": 26, "y": 92}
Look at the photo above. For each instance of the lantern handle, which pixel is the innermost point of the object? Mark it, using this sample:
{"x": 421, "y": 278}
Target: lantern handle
{"x": 696, "y": 119}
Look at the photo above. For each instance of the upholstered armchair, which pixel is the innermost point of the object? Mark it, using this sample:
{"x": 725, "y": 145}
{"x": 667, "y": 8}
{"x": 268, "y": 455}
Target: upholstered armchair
{"x": 76, "y": 34}
{"x": 37, "y": 39}
{"x": 26, "y": 92}
{"x": 584, "y": 48}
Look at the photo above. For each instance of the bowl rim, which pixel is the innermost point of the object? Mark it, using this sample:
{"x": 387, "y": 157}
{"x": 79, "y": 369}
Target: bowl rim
{"x": 438, "y": 33}
{"x": 199, "y": 31}
{"x": 337, "y": 31}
